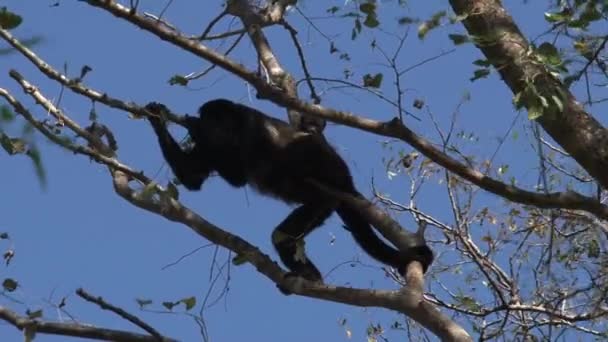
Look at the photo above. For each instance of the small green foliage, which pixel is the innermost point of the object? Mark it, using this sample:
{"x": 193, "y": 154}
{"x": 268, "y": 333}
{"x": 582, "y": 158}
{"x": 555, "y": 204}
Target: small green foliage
{"x": 170, "y": 305}
{"x": 371, "y": 18}
{"x": 564, "y": 15}
{"x": 371, "y": 21}
{"x": 36, "y": 158}
{"x": 12, "y": 145}
{"x": 368, "y": 8}
{"x": 503, "y": 169}
{"x": 9, "y": 20}
{"x": 178, "y": 80}
{"x": 579, "y": 16}
{"x": 6, "y": 114}
{"x": 454, "y": 19}
{"x": 143, "y": 302}
{"x": 239, "y": 260}
{"x": 468, "y": 303}
{"x": 9, "y": 284}
{"x": 535, "y": 112}
{"x": 480, "y": 73}
{"x": 539, "y": 102}
{"x": 189, "y": 302}
{"x": 426, "y": 26}
{"x": 482, "y": 62}
{"x": 406, "y": 20}
{"x": 372, "y": 81}
{"x": 332, "y": 10}
{"x": 548, "y": 54}
{"x": 459, "y": 39}
{"x": 34, "y": 314}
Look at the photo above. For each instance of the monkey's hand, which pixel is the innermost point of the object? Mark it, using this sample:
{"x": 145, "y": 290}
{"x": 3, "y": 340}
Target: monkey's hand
{"x": 423, "y": 254}
{"x": 159, "y": 112}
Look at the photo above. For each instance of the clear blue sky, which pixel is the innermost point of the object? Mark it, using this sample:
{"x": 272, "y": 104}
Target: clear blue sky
{"x": 79, "y": 233}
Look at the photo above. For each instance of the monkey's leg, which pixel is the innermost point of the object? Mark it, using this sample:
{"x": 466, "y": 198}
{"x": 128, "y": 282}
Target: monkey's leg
{"x": 366, "y": 237}
{"x": 288, "y": 238}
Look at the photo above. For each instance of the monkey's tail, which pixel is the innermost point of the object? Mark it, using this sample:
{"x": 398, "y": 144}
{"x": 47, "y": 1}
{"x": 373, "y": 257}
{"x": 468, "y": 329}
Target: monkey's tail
{"x": 365, "y": 236}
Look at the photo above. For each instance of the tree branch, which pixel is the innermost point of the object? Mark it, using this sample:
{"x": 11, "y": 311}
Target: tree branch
{"x": 577, "y": 131}
{"x": 33, "y": 326}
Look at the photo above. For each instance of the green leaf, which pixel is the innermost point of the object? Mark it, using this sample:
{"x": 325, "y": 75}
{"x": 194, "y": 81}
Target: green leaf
{"x": 239, "y": 260}
{"x": 333, "y": 10}
{"x": 9, "y": 20}
{"x": 368, "y": 8}
{"x": 143, "y": 302}
{"x": 549, "y": 54}
{"x": 178, "y": 80}
{"x": 482, "y": 62}
{"x": 430, "y": 24}
{"x": 558, "y": 17}
{"x": 503, "y": 169}
{"x": 591, "y": 13}
{"x": 480, "y": 73}
{"x": 535, "y": 112}
{"x": 6, "y": 114}
{"x": 9, "y": 284}
{"x": 459, "y": 39}
{"x": 33, "y": 314}
{"x": 190, "y": 302}
{"x": 558, "y": 102}
{"x": 518, "y": 100}
{"x": 36, "y": 158}
{"x": 372, "y": 81}
{"x": 371, "y": 21}
{"x": 169, "y": 305}
{"x": 406, "y": 20}
{"x": 12, "y": 145}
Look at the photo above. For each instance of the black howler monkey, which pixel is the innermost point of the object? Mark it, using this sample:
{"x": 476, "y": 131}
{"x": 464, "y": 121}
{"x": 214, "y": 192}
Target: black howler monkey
{"x": 245, "y": 146}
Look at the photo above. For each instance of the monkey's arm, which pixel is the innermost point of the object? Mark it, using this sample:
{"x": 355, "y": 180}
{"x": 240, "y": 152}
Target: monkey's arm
{"x": 185, "y": 164}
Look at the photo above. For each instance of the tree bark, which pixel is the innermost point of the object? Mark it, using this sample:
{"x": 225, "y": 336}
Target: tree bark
{"x": 579, "y": 133}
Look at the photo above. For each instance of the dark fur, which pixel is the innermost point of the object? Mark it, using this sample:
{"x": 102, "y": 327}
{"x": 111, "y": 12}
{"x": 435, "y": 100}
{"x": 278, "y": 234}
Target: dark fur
{"x": 245, "y": 146}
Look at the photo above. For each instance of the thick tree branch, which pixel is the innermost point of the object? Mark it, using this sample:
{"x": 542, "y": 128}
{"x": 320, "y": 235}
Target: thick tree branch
{"x": 254, "y": 21}
{"x": 577, "y": 131}
{"x": 408, "y": 300}
{"x": 33, "y": 326}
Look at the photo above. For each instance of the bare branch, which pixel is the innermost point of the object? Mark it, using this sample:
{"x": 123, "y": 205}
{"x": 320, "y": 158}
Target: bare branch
{"x": 120, "y": 312}
{"x": 32, "y": 326}
{"x": 65, "y": 143}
